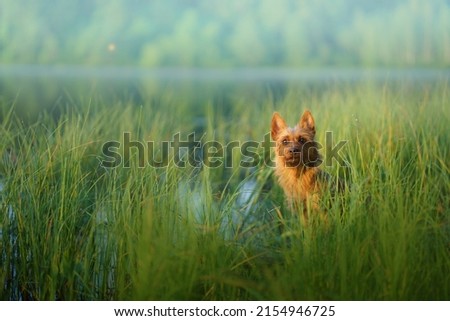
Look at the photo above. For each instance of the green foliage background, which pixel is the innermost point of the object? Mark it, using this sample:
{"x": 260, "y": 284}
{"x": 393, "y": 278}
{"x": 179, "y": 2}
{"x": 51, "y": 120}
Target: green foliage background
{"x": 71, "y": 229}
{"x": 203, "y": 33}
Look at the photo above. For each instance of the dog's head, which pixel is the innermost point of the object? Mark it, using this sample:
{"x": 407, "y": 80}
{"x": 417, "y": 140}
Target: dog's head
{"x": 295, "y": 147}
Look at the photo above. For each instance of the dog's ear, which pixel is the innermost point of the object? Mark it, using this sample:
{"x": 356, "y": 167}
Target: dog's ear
{"x": 278, "y": 124}
{"x": 307, "y": 121}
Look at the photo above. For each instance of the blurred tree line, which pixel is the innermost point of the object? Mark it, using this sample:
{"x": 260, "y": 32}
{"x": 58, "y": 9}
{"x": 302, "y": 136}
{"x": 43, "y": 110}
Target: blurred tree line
{"x": 233, "y": 33}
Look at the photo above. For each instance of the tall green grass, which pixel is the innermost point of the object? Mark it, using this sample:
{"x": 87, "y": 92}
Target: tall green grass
{"x": 72, "y": 230}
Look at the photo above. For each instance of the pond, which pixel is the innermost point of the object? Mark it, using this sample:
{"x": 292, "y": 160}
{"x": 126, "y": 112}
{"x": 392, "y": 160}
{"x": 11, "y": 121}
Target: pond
{"x": 95, "y": 225}
{"x": 33, "y": 88}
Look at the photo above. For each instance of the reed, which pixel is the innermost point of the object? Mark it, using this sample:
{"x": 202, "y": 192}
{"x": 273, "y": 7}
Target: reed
{"x": 73, "y": 230}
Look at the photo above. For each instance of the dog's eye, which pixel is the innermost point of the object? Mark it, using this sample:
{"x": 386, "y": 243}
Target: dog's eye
{"x": 301, "y": 140}
{"x": 285, "y": 142}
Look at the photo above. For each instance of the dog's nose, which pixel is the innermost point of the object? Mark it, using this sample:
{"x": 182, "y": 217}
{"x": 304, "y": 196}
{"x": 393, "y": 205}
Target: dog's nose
{"x": 294, "y": 150}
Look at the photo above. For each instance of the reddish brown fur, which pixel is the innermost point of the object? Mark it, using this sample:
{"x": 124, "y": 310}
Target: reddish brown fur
{"x": 297, "y": 161}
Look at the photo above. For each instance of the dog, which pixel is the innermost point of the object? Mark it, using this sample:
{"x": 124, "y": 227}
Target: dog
{"x": 297, "y": 163}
